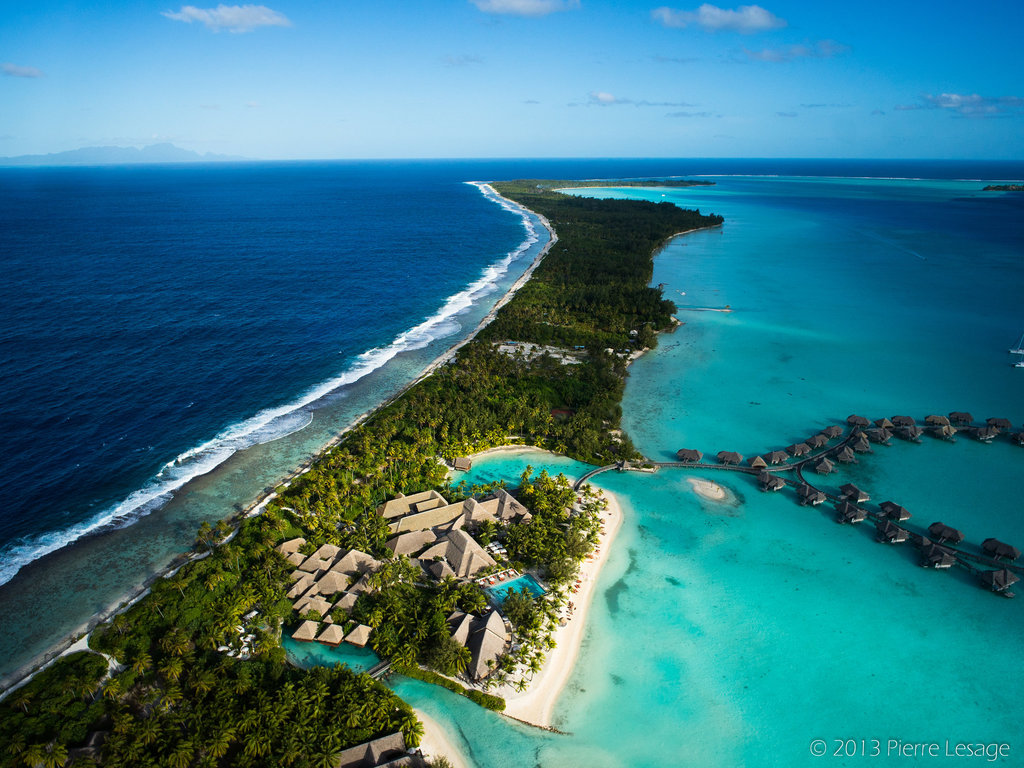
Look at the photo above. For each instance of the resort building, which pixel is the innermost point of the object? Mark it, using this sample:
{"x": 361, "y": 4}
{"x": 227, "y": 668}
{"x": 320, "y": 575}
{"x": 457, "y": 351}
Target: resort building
{"x": 464, "y": 556}
{"x": 486, "y": 637}
{"x": 385, "y": 752}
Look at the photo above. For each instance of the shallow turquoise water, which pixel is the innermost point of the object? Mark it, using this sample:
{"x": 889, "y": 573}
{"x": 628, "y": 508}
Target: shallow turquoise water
{"x": 735, "y": 633}
{"x": 500, "y": 591}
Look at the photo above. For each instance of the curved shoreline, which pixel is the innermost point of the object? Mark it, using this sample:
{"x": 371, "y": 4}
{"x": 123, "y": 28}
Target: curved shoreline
{"x": 15, "y": 678}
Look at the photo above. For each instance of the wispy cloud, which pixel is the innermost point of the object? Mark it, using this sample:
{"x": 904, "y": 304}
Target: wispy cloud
{"x": 233, "y": 18}
{"x": 823, "y": 49}
{"x": 605, "y": 99}
{"x": 968, "y": 104}
{"x": 689, "y": 114}
{"x": 464, "y": 60}
{"x": 746, "y": 19}
{"x": 786, "y": 114}
{"x": 525, "y": 7}
{"x": 675, "y": 59}
{"x": 14, "y": 70}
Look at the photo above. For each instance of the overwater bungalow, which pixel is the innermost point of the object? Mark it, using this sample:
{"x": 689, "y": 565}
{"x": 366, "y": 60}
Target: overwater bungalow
{"x": 306, "y": 632}
{"x": 857, "y": 421}
{"x": 936, "y": 556}
{"x": 799, "y": 449}
{"x": 998, "y": 549}
{"x": 879, "y": 435}
{"x": 937, "y": 420}
{"x": 894, "y": 511}
{"x": 943, "y": 533}
{"x": 333, "y": 636}
{"x": 945, "y": 431}
{"x": 689, "y": 455}
{"x": 961, "y": 418}
{"x": 999, "y": 423}
{"x": 909, "y": 432}
{"x": 890, "y": 533}
{"x": 845, "y": 455}
{"x": 359, "y": 636}
{"x": 1000, "y": 581}
{"x": 883, "y": 423}
{"x": 851, "y": 492}
{"x": 832, "y": 431}
{"x": 903, "y": 421}
{"x": 729, "y": 457}
{"x": 824, "y": 467}
{"x": 758, "y": 463}
{"x": 770, "y": 482}
{"x": 1018, "y": 438}
{"x": 817, "y": 441}
{"x": 777, "y": 457}
{"x": 463, "y": 464}
{"x": 850, "y": 514}
{"x": 861, "y": 444}
{"x": 810, "y": 496}
{"x": 986, "y": 434}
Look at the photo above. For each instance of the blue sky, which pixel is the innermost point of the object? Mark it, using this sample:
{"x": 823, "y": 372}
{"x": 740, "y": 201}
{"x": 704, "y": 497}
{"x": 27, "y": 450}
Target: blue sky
{"x": 516, "y": 78}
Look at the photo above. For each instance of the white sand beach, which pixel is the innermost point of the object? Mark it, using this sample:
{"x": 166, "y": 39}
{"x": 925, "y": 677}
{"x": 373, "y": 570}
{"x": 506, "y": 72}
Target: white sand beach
{"x": 435, "y": 742}
{"x": 707, "y": 489}
{"x": 536, "y": 704}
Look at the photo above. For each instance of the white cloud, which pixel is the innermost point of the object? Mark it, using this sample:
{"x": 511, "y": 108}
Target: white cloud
{"x": 968, "y": 104}
{"x": 605, "y": 99}
{"x": 525, "y": 7}
{"x": 823, "y": 49}
{"x": 233, "y": 18}
{"x": 464, "y": 60}
{"x": 746, "y": 19}
{"x": 14, "y": 70}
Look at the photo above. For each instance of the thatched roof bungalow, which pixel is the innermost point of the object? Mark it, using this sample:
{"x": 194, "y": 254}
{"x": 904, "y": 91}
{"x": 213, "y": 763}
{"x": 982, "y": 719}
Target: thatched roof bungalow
{"x": 729, "y": 457}
{"x": 986, "y": 434}
{"x": 327, "y": 552}
{"x": 857, "y": 421}
{"x": 359, "y": 636}
{"x": 890, "y": 533}
{"x": 850, "y": 514}
{"x": 944, "y": 431}
{"x": 961, "y": 418}
{"x": 894, "y": 511}
{"x": 799, "y": 449}
{"x": 384, "y": 750}
{"x": 999, "y": 581}
{"x": 832, "y": 431}
{"x": 689, "y": 455}
{"x": 817, "y": 441}
{"x": 810, "y": 496}
{"x": 909, "y": 432}
{"x": 290, "y": 546}
{"x": 333, "y": 636}
{"x": 777, "y": 457}
{"x": 860, "y": 444}
{"x": 824, "y": 467}
{"x": 463, "y": 554}
{"x": 355, "y": 562}
{"x": 296, "y": 558}
{"x": 943, "y": 533}
{"x": 1018, "y": 438}
{"x": 937, "y": 420}
{"x": 463, "y": 464}
{"x": 347, "y": 602}
{"x": 879, "y": 435}
{"x": 331, "y": 583}
{"x": 411, "y": 542}
{"x": 996, "y": 548}
{"x": 936, "y": 556}
{"x": 306, "y": 632}
{"x": 300, "y": 587}
{"x": 402, "y": 505}
{"x": 770, "y": 482}
{"x": 903, "y": 421}
{"x": 999, "y": 423}
{"x": 883, "y": 423}
{"x": 846, "y": 455}
{"x": 851, "y": 492}
{"x": 758, "y": 463}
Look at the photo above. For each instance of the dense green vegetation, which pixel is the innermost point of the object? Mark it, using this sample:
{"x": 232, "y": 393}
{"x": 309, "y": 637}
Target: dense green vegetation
{"x": 486, "y": 700}
{"x": 202, "y": 678}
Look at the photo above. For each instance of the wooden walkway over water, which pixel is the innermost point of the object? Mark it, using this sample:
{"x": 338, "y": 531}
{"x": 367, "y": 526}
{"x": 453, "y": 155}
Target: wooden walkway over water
{"x": 970, "y": 557}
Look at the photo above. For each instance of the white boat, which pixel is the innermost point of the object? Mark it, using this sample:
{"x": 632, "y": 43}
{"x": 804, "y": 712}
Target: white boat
{"x": 1018, "y": 350}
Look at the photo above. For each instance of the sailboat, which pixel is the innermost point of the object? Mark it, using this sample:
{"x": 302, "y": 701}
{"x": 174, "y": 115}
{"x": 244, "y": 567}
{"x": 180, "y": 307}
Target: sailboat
{"x": 1018, "y": 350}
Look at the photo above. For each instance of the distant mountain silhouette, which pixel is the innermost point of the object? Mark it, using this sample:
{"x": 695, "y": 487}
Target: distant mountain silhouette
{"x": 155, "y": 153}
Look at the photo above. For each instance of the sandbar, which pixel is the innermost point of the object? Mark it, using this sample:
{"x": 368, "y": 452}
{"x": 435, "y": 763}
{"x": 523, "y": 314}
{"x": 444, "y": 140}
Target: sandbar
{"x": 707, "y": 489}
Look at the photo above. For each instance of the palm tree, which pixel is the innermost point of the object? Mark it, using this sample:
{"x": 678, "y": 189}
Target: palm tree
{"x": 412, "y": 729}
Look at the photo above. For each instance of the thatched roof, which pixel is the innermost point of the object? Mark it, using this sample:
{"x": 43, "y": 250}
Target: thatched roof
{"x": 777, "y": 457}
{"x": 961, "y": 417}
{"x": 903, "y": 421}
{"x": 942, "y": 533}
{"x": 853, "y": 493}
{"x": 306, "y": 632}
{"x": 729, "y": 457}
{"x": 996, "y": 548}
{"x": 689, "y": 455}
{"x": 999, "y": 423}
{"x": 857, "y": 421}
{"x": 327, "y": 552}
{"x": 333, "y": 635}
{"x": 404, "y": 505}
{"x": 463, "y": 554}
{"x": 1018, "y": 438}
{"x": 999, "y": 581}
{"x": 986, "y": 433}
{"x": 945, "y": 430}
{"x": 314, "y": 564}
{"x": 440, "y": 569}
{"x": 809, "y": 495}
{"x": 486, "y": 642}
{"x": 292, "y": 545}
{"x": 890, "y": 533}
{"x": 299, "y": 587}
{"x": 411, "y": 542}
{"x": 878, "y": 434}
{"x": 382, "y": 750}
{"x": 894, "y": 511}
{"x": 935, "y": 556}
{"x": 359, "y": 636}
{"x": 758, "y": 463}
{"x": 845, "y": 455}
{"x": 355, "y": 562}
{"x": 347, "y": 601}
{"x": 883, "y": 423}
{"x": 817, "y": 441}
{"x": 313, "y": 603}
{"x": 799, "y": 449}
{"x": 824, "y": 467}
{"x": 937, "y": 420}
{"x": 832, "y": 431}
{"x": 463, "y": 464}
{"x": 909, "y": 431}
{"x": 850, "y": 513}
{"x": 332, "y": 582}
{"x": 860, "y": 444}
{"x": 296, "y": 559}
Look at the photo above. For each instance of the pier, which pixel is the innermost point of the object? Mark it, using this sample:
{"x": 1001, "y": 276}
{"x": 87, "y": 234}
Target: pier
{"x": 992, "y": 562}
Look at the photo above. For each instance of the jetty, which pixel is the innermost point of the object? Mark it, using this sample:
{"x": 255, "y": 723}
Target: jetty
{"x": 942, "y": 547}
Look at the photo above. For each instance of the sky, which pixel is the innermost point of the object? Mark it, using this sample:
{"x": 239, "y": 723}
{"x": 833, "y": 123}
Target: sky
{"x": 317, "y": 79}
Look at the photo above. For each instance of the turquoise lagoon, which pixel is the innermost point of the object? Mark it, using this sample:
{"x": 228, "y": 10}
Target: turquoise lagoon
{"x": 738, "y": 633}
{"x": 500, "y": 591}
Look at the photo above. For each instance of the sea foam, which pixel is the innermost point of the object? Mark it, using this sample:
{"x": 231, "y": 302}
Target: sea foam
{"x": 274, "y": 423}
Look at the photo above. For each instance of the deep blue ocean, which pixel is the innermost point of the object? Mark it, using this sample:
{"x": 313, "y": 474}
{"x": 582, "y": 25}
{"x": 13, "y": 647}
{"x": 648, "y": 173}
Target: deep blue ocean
{"x": 158, "y": 320}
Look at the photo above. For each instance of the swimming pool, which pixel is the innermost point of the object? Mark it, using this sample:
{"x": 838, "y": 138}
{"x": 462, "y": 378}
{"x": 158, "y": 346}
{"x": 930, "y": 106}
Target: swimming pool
{"x": 500, "y": 591}
{"x": 308, "y": 655}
